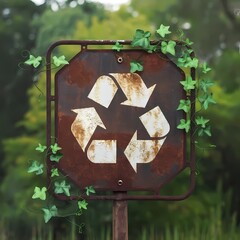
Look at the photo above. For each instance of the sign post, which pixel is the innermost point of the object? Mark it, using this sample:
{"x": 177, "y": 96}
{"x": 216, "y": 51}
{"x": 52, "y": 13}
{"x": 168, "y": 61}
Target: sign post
{"x": 117, "y": 129}
{"x": 120, "y": 218}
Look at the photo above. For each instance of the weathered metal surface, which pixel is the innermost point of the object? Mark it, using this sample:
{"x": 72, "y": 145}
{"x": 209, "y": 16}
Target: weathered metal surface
{"x": 115, "y": 126}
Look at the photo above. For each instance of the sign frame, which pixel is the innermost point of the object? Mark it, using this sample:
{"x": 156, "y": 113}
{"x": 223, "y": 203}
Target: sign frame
{"x": 51, "y": 98}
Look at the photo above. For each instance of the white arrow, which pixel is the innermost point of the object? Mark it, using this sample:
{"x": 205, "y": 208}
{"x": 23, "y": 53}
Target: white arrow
{"x": 134, "y": 89}
{"x": 85, "y": 125}
{"x": 142, "y": 151}
{"x": 103, "y": 91}
{"x": 102, "y": 151}
{"x": 155, "y": 123}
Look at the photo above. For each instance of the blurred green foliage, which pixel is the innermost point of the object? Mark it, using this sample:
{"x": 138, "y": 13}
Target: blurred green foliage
{"x": 214, "y": 28}
{"x": 16, "y": 35}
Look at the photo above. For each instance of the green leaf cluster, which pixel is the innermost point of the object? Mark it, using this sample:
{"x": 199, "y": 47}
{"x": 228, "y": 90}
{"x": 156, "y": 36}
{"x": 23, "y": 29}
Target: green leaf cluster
{"x": 90, "y": 190}
{"x": 118, "y": 47}
{"x": 58, "y": 61}
{"x": 34, "y": 61}
{"x": 41, "y": 148}
{"x": 82, "y": 205}
{"x": 203, "y": 129}
{"x": 184, "y": 105}
{"x": 36, "y": 167}
{"x": 163, "y": 30}
{"x": 62, "y": 187}
{"x": 49, "y": 213}
{"x": 39, "y": 193}
{"x": 184, "y": 124}
{"x": 54, "y": 172}
{"x": 55, "y": 155}
{"x": 168, "y": 47}
{"x": 206, "y": 99}
{"x": 141, "y": 39}
{"x": 136, "y": 66}
{"x": 188, "y": 83}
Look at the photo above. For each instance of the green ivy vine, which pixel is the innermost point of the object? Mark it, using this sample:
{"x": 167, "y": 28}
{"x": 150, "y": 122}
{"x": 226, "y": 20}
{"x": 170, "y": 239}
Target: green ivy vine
{"x": 59, "y": 182}
{"x": 182, "y": 55}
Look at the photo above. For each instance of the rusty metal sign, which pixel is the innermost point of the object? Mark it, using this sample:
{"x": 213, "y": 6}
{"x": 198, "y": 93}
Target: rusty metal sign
{"x": 117, "y": 129}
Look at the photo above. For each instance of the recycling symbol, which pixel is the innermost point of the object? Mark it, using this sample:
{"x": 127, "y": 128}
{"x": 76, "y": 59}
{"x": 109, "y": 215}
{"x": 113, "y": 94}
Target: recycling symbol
{"x": 137, "y": 96}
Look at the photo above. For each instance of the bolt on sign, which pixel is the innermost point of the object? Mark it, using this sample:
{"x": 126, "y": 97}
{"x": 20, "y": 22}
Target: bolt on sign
{"x": 117, "y": 129}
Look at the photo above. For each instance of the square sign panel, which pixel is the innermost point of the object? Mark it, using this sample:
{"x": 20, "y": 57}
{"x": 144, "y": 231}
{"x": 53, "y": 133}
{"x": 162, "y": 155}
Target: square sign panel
{"x": 117, "y": 129}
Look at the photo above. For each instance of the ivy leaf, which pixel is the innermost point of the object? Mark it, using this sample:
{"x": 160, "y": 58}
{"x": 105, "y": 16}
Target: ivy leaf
{"x": 54, "y": 172}
{"x": 206, "y": 131}
{"x": 168, "y": 47}
{"x": 205, "y": 84}
{"x": 163, "y": 30}
{"x": 189, "y": 51}
{"x": 39, "y": 193}
{"x": 152, "y": 48}
{"x": 55, "y": 148}
{"x": 56, "y": 157}
{"x": 135, "y": 66}
{"x": 188, "y": 42}
{"x": 82, "y": 204}
{"x": 205, "y": 68}
{"x": 191, "y": 62}
{"x": 57, "y": 61}
{"x": 185, "y": 57}
{"x": 141, "y": 39}
{"x": 184, "y": 105}
{"x": 90, "y": 190}
{"x": 41, "y": 148}
{"x": 184, "y": 125}
{"x": 62, "y": 187}
{"x": 49, "y": 213}
{"x": 202, "y": 121}
{"x": 182, "y": 60}
{"x": 117, "y": 46}
{"x": 35, "y": 61}
{"x": 36, "y": 167}
{"x": 188, "y": 83}
{"x": 206, "y": 99}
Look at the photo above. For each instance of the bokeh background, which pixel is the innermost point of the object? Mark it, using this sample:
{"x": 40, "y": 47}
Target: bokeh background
{"x": 213, "y": 211}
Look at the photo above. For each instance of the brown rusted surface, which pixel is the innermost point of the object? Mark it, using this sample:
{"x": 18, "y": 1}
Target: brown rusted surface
{"x": 74, "y": 83}
{"x": 120, "y": 218}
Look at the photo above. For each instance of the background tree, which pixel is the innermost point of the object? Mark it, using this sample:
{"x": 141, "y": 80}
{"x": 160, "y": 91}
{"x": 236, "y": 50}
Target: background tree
{"x": 16, "y": 35}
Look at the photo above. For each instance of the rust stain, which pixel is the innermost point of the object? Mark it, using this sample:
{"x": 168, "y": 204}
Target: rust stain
{"x": 155, "y": 123}
{"x": 134, "y": 88}
{"x": 78, "y": 132}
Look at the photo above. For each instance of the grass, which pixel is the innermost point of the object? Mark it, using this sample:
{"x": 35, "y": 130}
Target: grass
{"x": 212, "y": 228}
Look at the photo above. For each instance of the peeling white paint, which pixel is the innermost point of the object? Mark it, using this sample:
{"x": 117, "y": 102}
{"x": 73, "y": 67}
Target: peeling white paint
{"x": 142, "y": 151}
{"x": 155, "y": 123}
{"x": 85, "y": 125}
{"x": 102, "y": 151}
{"x": 103, "y": 91}
{"x": 134, "y": 88}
